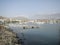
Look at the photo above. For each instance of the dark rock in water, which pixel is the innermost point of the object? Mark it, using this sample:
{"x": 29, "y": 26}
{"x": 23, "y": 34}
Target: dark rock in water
{"x": 23, "y": 27}
{"x": 32, "y": 27}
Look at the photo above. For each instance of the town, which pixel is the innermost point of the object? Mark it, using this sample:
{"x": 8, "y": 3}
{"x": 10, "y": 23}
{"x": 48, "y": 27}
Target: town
{"x": 24, "y": 20}
{"x": 9, "y": 37}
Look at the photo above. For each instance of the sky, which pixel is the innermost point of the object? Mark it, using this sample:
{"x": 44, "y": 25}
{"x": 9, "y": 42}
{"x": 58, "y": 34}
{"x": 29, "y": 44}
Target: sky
{"x": 28, "y": 8}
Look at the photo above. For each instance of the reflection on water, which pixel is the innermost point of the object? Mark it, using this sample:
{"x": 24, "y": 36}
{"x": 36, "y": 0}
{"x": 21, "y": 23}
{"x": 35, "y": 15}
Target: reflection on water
{"x": 46, "y": 35}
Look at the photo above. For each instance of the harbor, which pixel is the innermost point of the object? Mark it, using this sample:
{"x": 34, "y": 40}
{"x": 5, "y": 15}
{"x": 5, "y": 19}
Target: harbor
{"x": 29, "y": 22}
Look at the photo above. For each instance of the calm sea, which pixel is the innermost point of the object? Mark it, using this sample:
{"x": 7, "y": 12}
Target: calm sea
{"x": 47, "y": 34}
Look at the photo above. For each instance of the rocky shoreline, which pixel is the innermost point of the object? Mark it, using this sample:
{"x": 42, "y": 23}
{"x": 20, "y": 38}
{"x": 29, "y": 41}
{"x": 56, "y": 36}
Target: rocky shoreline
{"x": 7, "y": 36}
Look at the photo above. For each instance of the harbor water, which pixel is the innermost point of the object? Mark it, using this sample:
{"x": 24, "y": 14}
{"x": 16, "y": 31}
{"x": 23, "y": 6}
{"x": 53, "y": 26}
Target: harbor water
{"x": 47, "y": 34}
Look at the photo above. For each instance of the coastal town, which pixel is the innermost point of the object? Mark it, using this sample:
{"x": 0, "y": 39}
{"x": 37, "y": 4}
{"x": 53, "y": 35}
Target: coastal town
{"x": 9, "y": 37}
{"x": 23, "y": 20}
{"x": 29, "y": 22}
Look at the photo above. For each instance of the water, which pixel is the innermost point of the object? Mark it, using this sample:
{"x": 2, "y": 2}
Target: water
{"x": 47, "y": 34}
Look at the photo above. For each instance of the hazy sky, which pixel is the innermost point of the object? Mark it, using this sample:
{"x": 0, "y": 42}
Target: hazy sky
{"x": 28, "y": 8}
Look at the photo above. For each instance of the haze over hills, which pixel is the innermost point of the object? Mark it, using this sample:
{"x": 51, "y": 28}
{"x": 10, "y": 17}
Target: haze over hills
{"x": 3, "y": 17}
{"x": 20, "y": 18}
{"x": 37, "y": 16}
{"x": 47, "y": 16}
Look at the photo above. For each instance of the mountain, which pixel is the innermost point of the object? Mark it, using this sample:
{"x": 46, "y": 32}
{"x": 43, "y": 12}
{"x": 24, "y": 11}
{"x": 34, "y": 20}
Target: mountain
{"x": 48, "y": 16}
{"x": 1, "y": 17}
{"x": 20, "y": 18}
